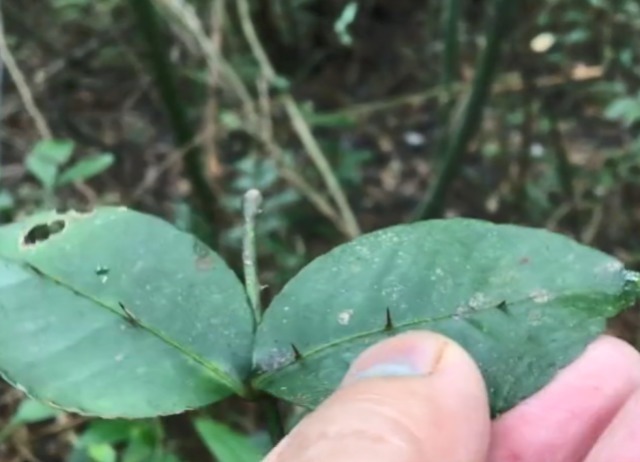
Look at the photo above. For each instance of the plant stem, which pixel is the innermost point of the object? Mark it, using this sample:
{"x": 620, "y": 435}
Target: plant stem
{"x": 22, "y": 86}
{"x": 165, "y": 79}
{"x": 450, "y": 19}
{"x": 272, "y": 415}
{"x": 452, "y": 44}
{"x": 299, "y": 123}
{"x": 251, "y": 208}
{"x": 564, "y": 172}
{"x": 467, "y": 124}
{"x": 523, "y": 162}
{"x": 563, "y": 165}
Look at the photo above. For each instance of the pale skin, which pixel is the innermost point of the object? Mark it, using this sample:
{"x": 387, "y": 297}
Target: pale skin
{"x": 419, "y": 397}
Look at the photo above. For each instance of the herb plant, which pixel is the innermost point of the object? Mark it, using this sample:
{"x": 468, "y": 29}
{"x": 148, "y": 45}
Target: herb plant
{"x": 118, "y": 314}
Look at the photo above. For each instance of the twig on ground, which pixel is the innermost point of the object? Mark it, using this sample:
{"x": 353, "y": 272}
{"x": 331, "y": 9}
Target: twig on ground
{"x": 298, "y": 122}
{"x": 166, "y": 80}
{"x": 211, "y": 113}
{"x": 509, "y": 83}
{"x": 557, "y": 215}
{"x": 593, "y": 226}
{"x": 466, "y": 125}
{"x": 313, "y": 196}
{"x": 172, "y": 159}
{"x": 12, "y": 171}
{"x": 256, "y": 116}
{"x": 48, "y": 73}
{"x": 22, "y": 86}
{"x": 291, "y": 176}
{"x": 186, "y": 16}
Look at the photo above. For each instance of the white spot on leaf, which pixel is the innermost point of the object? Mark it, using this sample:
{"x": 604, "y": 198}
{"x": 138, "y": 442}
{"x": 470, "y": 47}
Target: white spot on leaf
{"x": 344, "y": 317}
{"x": 461, "y": 312}
{"x": 540, "y": 296}
{"x": 275, "y": 359}
{"x": 610, "y": 267}
{"x": 478, "y": 300}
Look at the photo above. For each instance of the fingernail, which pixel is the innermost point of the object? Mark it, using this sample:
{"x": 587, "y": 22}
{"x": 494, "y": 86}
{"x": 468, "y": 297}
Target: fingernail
{"x": 394, "y": 369}
{"x": 407, "y": 355}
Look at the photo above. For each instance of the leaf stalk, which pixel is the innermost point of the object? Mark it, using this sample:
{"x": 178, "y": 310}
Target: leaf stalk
{"x": 251, "y": 208}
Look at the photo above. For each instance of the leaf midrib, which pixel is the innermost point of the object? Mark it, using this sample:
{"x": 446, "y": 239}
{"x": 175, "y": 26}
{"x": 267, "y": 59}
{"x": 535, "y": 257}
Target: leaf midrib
{"x": 219, "y": 375}
{"x": 354, "y": 338}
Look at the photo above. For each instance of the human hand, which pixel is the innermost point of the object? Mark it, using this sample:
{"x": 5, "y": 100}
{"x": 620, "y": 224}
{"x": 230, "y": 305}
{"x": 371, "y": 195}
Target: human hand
{"x": 419, "y": 397}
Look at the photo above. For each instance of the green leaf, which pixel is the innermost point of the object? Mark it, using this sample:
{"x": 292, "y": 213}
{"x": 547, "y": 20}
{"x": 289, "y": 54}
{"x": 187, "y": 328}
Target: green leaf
{"x": 79, "y": 454}
{"x": 141, "y": 449}
{"x": 86, "y": 168}
{"x": 6, "y": 201}
{"x": 45, "y": 171}
{"x": 108, "y": 432}
{"x": 225, "y": 444}
{"x": 342, "y": 24}
{"x": 119, "y": 314}
{"x": 29, "y": 411}
{"x": 32, "y": 411}
{"x": 625, "y": 110}
{"x": 146, "y": 445}
{"x": 82, "y": 454}
{"x": 523, "y": 302}
{"x": 102, "y": 453}
{"x": 143, "y": 437}
{"x": 45, "y": 159}
{"x": 57, "y": 152}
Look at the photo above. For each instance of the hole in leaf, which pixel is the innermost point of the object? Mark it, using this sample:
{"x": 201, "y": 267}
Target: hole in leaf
{"x": 42, "y": 232}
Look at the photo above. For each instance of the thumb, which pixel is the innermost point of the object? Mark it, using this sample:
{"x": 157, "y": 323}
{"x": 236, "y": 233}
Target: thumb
{"x": 416, "y": 397}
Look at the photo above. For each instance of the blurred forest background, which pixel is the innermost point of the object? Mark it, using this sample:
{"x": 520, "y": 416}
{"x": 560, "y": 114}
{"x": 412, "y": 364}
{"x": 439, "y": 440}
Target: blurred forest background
{"x": 349, "y": 116}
